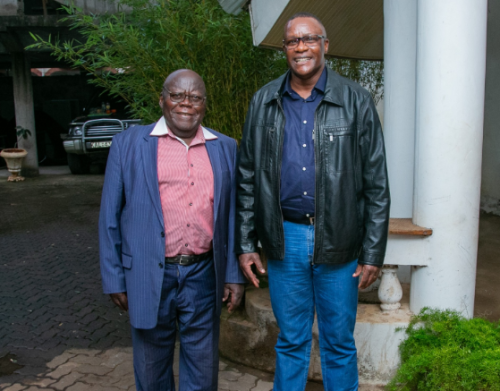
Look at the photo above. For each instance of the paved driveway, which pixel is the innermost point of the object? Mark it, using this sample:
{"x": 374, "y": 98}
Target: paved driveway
{"x": 57, "y": 330}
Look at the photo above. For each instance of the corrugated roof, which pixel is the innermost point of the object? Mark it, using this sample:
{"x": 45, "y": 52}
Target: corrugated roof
{"x": 355, "y": 28}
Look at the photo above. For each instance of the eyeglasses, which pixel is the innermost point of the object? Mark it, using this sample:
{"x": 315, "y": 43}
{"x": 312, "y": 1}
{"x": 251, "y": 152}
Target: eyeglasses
{"x": 309, "y": 40}
{"x": 178, "y": 97}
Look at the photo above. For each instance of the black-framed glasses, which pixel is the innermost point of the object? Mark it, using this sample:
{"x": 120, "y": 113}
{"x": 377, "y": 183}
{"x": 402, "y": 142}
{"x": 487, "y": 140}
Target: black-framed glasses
{"x": 309, "y": 40}
{"x": 178, "y": 97}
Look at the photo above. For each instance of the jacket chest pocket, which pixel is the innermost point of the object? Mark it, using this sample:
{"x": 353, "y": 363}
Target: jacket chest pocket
{"x": 338, "y": 148}
{"x": 265, "y": 151}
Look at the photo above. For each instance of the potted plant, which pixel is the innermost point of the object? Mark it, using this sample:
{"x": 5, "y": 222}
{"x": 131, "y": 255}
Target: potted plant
{"x": 14, "y": 156}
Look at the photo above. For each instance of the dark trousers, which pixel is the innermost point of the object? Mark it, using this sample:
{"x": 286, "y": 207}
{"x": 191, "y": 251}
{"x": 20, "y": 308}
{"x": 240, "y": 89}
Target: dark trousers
{"x": 187, "y": 301}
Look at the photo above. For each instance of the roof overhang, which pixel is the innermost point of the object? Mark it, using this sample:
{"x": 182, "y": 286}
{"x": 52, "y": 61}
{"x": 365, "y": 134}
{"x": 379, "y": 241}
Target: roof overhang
{"x": 355, "y": 28}
{"x": 233, "y": 6}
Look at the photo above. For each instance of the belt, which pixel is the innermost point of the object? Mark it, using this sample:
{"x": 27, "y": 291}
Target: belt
{"x": 302, "y": 220}
{"x": 186, "y": 260}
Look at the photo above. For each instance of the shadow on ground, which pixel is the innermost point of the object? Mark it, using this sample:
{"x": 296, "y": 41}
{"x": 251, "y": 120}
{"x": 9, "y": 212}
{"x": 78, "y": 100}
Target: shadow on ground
{"x": 50, "y": 288}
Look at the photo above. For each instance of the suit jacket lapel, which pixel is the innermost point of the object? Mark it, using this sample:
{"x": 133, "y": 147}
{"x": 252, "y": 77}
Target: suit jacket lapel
{"x": 150, "y": 165}
{"x": 213, "y": 154}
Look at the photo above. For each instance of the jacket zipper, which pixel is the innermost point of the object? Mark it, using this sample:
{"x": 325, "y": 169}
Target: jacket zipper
{"x": 315, "y": 136}
{"x": 280, "y": 152}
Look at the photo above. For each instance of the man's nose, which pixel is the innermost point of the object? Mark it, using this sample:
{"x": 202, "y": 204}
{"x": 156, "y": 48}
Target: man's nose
{"x": 186, "y": 101}
{"x": 301, "y": 47}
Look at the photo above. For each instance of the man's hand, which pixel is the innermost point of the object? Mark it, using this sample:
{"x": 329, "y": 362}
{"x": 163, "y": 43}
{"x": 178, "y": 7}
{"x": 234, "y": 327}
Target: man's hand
{"x": 233, "y": 292}
{"x": 246, "y": 262}
{"x": 370, "y": 275}
{"x": 120, "y": 300}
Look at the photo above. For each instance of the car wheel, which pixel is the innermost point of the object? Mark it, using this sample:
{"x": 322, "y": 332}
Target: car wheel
{"x": 78, "y": 164}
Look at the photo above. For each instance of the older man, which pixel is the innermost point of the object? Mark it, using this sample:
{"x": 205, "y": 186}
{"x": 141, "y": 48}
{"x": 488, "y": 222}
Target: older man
{"x": 166, "y": 237}
{"x": 313, "y": 189}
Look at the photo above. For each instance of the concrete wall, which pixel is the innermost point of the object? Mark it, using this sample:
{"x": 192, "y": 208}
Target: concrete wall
{"x": 8, "y": 7}
{"x": 490, "y": 187}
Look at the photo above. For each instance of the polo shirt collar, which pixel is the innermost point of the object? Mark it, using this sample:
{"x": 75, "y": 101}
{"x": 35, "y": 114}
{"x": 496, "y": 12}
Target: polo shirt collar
{"x": 161, "y": 129}
{"x": 320, "y": 84}
{"x": 333, "y": 88}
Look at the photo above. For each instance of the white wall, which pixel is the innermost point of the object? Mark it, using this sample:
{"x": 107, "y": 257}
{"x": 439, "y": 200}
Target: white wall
{"x": 8, "y": 7}
{"x": 490, "y": 187}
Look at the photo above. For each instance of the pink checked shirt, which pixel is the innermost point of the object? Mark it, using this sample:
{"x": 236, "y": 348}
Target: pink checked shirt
{"x": 186, "y": 184}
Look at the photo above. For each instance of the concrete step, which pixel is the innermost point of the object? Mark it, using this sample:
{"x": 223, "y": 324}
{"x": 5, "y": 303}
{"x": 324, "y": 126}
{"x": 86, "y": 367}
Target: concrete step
{"x": 248, "y": 337}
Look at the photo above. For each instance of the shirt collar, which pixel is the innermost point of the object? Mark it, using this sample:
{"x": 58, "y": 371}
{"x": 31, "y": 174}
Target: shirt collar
{"x": 161, "y": 129}
{"x": 320, "y": 84}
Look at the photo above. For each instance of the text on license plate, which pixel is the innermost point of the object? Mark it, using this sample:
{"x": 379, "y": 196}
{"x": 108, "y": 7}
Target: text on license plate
{"x": 100, "y": 144}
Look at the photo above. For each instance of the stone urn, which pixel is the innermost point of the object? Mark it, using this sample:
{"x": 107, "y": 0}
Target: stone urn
{"x": 14, "y": 159}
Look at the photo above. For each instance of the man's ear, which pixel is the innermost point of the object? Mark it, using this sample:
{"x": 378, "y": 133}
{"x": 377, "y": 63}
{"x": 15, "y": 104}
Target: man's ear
{"x": 161, "y": 101}
{"x": 327, "y": 44}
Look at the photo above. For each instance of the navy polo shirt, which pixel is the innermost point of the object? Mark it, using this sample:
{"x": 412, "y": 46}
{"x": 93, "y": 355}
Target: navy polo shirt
{"x": 297, "y": 167}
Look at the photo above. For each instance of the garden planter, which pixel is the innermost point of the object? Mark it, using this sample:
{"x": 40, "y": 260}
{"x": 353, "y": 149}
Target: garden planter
{"x": 14, "y": 159}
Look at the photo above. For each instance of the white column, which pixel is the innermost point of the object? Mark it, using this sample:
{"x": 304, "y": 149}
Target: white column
{"x": 400, "y": 55}
{"x": 451, "y": 51}
{"x": 25, "y": 111}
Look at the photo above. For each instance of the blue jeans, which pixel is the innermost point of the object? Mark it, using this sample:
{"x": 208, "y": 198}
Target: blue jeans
{"x": 187, "y": 303}
{"x": 297, "y": 288}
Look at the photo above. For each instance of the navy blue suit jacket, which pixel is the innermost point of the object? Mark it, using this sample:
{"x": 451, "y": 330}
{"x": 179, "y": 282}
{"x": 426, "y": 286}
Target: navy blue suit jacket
{"x": 131, "y": 225}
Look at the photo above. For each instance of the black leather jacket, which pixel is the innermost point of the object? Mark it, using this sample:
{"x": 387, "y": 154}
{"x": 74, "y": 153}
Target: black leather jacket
{"x": 352, "y": 191}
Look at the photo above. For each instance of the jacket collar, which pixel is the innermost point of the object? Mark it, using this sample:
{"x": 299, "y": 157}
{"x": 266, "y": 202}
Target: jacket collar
{"x": 333, "y": 88}
{"x": 161, "y": 129}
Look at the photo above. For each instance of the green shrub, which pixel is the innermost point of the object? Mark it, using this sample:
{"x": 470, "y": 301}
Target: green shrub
{"x": 444, "y": 351}
{"x": 146, "y": 41}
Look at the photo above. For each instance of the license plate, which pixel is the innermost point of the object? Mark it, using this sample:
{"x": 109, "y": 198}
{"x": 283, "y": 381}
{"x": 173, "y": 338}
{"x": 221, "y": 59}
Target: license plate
{"x": 100, "y": 144}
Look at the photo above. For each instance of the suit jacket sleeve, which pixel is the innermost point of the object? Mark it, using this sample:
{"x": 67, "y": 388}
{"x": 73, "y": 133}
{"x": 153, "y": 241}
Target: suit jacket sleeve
{"x": 233, "y": 271}
{"x": 375, "y": 186}
{"x": 246, "y": 237}
{"x": 110, "y": 242}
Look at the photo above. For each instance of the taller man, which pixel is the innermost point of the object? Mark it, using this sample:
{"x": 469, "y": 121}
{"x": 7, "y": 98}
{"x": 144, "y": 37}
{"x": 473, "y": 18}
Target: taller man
{"x": 166, "y": 237}
{"x": 313, "y": 189}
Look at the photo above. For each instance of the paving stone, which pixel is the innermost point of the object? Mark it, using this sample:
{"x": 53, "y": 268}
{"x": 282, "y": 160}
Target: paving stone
{"x": 247, "y": 380}
{"x": 100, "y": 380}
{"x": 126, "y": 382}
{"x": 86, "y": 352}
{"x": 112, "y": 357}
{"x": 89, "y": 318}
{"x": 83, "y": 359}
{"x": 229, "y": 376}
{"x": 62, "y": 370}
{"x": 263, "y": 386}
{"x": 222, "y": 365}
{"x": 31, "y": 370}
{"x": 93, "y": 369}
{"x": 67, "y": 381}
{"x": 15, "y": 387}
{"x": 42, "y": 382}
{"x": 123, "y": 369}
{"x": 61, "y": 359}
{"x": 86, "y": 387}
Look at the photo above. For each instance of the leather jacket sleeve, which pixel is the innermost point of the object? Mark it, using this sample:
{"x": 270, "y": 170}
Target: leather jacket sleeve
{"x": 375, "y": 186}
{"x": 246, "y": 238}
